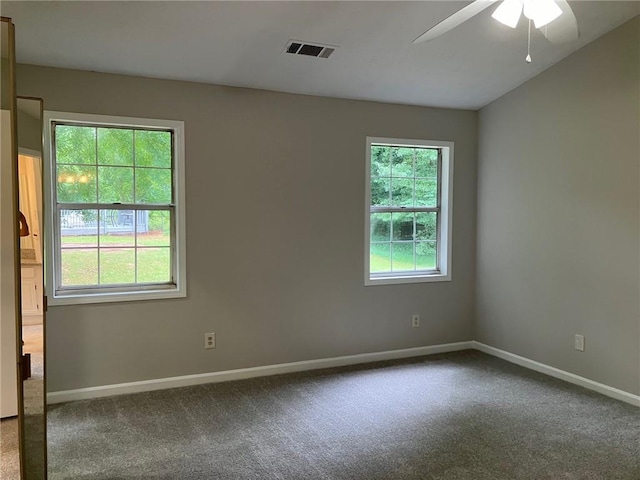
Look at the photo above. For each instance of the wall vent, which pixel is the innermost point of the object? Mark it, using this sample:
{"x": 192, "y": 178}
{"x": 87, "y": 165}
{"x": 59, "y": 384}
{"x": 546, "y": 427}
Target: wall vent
{"x": 297, "y": 47}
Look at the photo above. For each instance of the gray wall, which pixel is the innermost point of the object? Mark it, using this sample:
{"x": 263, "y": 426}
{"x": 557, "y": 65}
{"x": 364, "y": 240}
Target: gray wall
{"x": 558, "y": 214}
{"x": 29, "y": 132}
{"x": 275, "y": 194}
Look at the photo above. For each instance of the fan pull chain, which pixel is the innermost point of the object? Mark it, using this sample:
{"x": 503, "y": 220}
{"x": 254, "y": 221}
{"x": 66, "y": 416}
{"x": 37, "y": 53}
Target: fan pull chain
{"x": 528, "y": 58}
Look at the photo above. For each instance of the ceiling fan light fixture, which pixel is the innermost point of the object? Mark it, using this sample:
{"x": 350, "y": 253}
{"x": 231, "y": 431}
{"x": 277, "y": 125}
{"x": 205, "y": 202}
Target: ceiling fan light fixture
{"x": 542, "y": 12}
{"x": 508, "y": 12}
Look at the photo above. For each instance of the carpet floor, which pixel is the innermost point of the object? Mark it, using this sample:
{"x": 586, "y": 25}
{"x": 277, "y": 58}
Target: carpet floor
{"x": 33, "y": 390}
{"x": 462, "y": 415}
{"x": 9, "y": 449}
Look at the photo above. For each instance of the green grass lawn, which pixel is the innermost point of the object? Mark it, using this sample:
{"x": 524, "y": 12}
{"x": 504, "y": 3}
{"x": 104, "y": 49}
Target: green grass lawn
{"x": 153, "y": 239}
{"x": 380, "y": 260}
{"x": 117, "y": 265}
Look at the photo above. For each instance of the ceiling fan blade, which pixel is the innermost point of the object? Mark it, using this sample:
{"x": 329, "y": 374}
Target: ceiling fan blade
{"x": 563, "y": 29}
{"x": 454, "y": 20}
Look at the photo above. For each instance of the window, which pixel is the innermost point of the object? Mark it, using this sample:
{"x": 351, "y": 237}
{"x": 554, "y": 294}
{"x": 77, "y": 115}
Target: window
{"x": 408, "y": 211}
{"x": 116, "y": 217}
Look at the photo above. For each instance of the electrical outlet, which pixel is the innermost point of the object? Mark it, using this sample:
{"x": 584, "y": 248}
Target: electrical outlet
{"x": 209, "y": 340}
{"x": 579, "y": 342}
{"x": 415, "y": 320}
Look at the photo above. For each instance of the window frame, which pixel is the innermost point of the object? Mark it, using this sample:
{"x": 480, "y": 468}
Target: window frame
{"x": 130, "y": 292}
{"x": 442, "y": 273}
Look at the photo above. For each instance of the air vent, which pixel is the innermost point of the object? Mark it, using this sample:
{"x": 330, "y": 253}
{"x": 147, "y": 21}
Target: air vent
{"x": 297, "y": 47}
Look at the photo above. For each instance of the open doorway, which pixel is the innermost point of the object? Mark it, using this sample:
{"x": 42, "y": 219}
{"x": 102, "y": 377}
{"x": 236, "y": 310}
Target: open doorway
{"x": 30, "y": 180}
{"x": 24, "y": 435}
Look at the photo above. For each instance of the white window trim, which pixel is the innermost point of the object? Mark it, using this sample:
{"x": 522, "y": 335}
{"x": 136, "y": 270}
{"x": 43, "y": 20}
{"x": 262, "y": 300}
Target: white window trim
{"x": 152, "y": 293}
{"x": 446, "y": 215}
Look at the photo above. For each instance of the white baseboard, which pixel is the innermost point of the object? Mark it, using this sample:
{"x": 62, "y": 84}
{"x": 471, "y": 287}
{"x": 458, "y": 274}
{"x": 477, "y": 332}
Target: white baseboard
{"x": 242, "y": 373}
{"x": 561, "y": 374}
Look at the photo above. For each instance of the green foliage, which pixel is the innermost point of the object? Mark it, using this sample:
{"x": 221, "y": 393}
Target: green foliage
{"x": 153, "y": 149}
{"x": 160, "y": 221}
{"x": 404, "y": 176}
{"x": 75, "y": 145}
{"x": 115, "y": 184}
{"x": 380, "y": 175}
{"x": 403, "y": 226}
{"x": 100, "y": 165}
{"x": 153, "y": 185}
{"x": 426, "y": 226}
{"x": 115, "y": 147}
{"x": 77, "y": 183}
{"x": 426, "y": 253}
{"x": 114, "y": 165}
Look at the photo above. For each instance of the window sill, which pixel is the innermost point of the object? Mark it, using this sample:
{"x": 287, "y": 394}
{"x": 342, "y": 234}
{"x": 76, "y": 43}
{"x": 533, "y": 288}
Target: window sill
{"x": 85, "y": 298}
{"x": 399, "y": 279}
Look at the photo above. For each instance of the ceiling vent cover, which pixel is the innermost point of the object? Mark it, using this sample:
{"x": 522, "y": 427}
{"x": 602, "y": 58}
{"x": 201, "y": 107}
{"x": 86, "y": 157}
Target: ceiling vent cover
{"x": 297, "y": 47}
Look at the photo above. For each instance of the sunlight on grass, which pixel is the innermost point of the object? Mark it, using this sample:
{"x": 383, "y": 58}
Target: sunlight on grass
{"x": 379, "y": 263}
{"x": 80, "y": 266}
{"x": 380, "y": 260}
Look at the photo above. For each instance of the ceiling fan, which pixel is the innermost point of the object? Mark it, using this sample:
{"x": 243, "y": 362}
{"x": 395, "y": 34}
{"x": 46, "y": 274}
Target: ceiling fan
{"x": 554, "y": 18}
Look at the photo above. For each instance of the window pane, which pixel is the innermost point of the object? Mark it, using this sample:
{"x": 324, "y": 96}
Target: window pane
{"x": 380, "y": 257}
{"x": 401, "y": 192}
{"x": 79, "y": 228}
{"x": 76, "y": 184}
{"x": 403, "y": 226}
{"x": 426, "y": 255}
{"x": 427, "y": 193}
{"x": 426, "y": 226}
{"x": 115, "y": 223}
{"x": 79, "y": 266}
{"x": 76, "y": 145}
{"x": 154, "y": 264}
{"x": 402, "y": 256}
{"x": 153, "y": 149}
{"x": 115, "y": 184}
{"x": 405, "y": 223}
{"x": 380, "y": 191}
{"x": 426, "y": 162}
{"x": 380, "y": 226}
{"x": 380, "y": 161}
{"x": 116, "y": 228}
{"x": 154, "y": 228}
{"x": 117, "y": 265}
{"x": 115, "y": 146}
{"x": 153, "y": 185}
{"x": 402, "y": 162}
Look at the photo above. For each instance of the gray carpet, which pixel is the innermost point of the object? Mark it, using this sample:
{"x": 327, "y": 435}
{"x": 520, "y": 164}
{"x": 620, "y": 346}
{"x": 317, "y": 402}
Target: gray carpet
{"x": 464, "y": 415}
{"x": 9, "y": 456}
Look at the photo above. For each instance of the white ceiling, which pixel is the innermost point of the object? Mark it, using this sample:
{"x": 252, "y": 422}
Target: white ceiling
{"x": 242, "y": 44}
